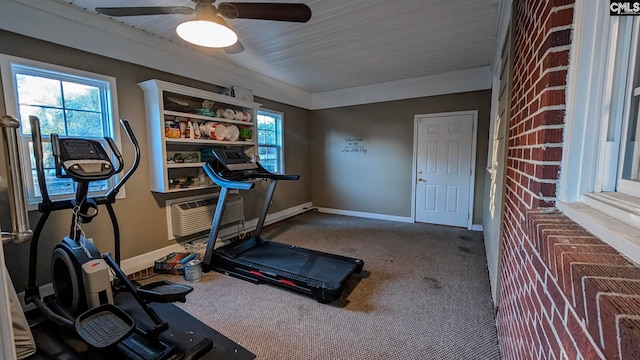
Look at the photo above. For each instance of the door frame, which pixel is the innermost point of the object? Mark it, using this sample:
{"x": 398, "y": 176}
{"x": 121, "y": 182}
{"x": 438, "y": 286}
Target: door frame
{"x": 472, "y": 176}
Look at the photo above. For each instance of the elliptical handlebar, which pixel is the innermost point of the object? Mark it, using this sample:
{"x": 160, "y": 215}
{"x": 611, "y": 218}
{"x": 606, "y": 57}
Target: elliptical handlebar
{"x": 136, "y": 158}
{"x": 116, "y": 152}
{"x": 55, "y": 152}
{"x": 37, "y": 153}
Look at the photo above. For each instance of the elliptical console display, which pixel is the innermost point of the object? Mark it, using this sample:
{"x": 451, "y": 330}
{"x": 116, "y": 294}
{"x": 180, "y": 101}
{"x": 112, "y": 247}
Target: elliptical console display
{"x": 83, "y": 159}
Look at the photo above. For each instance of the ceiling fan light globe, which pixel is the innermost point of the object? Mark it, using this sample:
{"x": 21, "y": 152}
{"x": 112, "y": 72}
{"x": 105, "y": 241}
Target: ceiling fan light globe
{"x": 206, "y": 33}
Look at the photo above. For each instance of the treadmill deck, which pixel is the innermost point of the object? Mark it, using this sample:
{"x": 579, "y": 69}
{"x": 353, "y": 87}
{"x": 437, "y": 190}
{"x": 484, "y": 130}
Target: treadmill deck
{"x": 313, "y": 272}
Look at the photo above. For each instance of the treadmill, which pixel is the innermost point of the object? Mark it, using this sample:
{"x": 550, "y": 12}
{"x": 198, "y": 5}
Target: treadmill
{"x": 318, "y": 274}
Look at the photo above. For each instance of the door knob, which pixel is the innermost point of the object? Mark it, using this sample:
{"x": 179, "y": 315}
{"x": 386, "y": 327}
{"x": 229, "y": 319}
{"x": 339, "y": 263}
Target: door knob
{"x": 421, "y": 179}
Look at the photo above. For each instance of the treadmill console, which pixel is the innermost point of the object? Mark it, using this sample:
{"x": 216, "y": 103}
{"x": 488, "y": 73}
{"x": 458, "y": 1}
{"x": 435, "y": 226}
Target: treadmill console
{"x": 84, "y": 159}
{"x": 234, "y": 160}
{"x": 229, "y": 165}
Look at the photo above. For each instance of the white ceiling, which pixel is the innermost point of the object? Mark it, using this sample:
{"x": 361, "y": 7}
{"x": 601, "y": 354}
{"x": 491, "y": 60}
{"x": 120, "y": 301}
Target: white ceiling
{"x": 347, "y": 43}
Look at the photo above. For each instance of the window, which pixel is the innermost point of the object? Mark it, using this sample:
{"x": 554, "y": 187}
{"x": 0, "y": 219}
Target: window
{"x": 69, "y": 103}
{"x": 600, "y": 171}
{"x": 270, "y": 140}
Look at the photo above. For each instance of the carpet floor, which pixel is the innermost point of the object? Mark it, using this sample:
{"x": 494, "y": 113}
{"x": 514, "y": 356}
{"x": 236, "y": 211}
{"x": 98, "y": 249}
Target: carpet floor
{"x": 423, "y": 294}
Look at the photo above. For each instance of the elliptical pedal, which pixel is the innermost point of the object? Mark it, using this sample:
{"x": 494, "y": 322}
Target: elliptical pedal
{"x": 164, "y": 292}
{"x": 104, "y": 326}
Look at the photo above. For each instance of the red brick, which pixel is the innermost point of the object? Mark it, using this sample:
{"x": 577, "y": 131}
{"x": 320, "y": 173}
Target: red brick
{"x": 571, "y": 234}
{"x": 592, "y": 287}
{"x": 553, "y": 342}
{"x": 558, "y": 3}
{"x": 555, "y": 292}
{"x": 611, "y": 306}
{"x": 629, "y": 336}
{"x": 549, "y": 241}
{"x": 536, "y": 50}
{"x": 585, "y": 344}
{"x": 567, "y": 253}
{"x": 548, "y": 189}
{"x": 555, "y": 39}
{"x": 554, "y": 78}
{"x": 555, "y": 59}
{"x": 548, "y": 153}
{"x": 563, "y": 17}
{"x": 580, "y": 271}
{"x": 541, "y": 203}
{"x": 565, "y": 338}
{"x": 549, "y": 117}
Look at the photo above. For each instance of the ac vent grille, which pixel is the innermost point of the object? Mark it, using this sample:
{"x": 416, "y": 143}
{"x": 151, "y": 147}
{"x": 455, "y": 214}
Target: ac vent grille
{"x": 192, "y": 217}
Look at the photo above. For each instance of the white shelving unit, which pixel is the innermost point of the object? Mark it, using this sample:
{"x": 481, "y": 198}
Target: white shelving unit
{"x": 158, "y": 110}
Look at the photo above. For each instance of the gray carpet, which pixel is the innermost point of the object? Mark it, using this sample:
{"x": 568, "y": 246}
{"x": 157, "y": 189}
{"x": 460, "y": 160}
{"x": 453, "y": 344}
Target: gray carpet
{"x": 424, "y": 294}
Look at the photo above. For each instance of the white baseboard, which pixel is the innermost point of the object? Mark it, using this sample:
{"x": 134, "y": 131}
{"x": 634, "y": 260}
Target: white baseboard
{"x": 366, "y": 215}
{"x": 474, "y": 227}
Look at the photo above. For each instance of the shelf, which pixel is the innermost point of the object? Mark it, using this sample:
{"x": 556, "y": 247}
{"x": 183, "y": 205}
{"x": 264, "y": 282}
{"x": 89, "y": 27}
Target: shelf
{"x": 154, "y": 85}
{"x": 198, "y": 187}
{"x": 207, "y": 118}
{"x": 185, "y": 165}
{"x": 208, "y": 142}
{"x": 159, "y": 146}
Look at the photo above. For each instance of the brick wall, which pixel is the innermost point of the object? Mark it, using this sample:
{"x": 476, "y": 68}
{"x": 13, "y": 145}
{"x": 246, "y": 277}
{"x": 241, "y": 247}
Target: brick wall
{"x": 563, "y": 292}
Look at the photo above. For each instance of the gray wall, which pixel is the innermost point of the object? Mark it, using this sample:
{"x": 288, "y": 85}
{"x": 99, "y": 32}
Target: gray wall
{"x": 142, "y": 214}
{"x": 379, "y": 180}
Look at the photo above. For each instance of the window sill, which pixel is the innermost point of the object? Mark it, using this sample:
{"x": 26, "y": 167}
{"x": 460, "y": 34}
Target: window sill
{"x": 614, "y": 218}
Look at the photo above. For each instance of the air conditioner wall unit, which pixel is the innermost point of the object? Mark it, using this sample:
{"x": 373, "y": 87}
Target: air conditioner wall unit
{"x": 192, "y": 217}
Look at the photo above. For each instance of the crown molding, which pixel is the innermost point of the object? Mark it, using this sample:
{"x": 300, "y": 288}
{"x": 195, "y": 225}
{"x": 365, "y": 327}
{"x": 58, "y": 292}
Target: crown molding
{"x": 439, "y": 84}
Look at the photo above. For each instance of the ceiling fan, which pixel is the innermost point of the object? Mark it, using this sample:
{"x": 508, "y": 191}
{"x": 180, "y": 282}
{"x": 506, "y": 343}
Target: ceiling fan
{"x": 208, "y": 28}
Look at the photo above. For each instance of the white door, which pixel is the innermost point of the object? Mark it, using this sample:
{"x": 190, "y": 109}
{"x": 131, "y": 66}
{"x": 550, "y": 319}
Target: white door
{"x": 445, "y": 157}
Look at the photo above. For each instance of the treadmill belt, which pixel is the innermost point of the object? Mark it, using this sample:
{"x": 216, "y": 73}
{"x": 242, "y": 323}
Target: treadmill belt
{"x": 299, "y": 261}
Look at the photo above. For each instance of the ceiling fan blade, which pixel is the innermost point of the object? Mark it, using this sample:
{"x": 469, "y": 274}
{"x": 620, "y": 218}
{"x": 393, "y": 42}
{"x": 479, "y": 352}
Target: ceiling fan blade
{"x": 144, "y": 10}
{"x": 235, "y": 48}
{"x": 265, "y": 11}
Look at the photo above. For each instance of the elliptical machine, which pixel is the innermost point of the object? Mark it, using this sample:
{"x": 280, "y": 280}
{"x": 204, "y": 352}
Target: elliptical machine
{"x": 83, "y": 298}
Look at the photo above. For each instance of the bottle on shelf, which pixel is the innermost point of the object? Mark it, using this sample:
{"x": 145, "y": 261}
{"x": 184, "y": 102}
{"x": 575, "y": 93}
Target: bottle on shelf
{"x": 201, "y": 178}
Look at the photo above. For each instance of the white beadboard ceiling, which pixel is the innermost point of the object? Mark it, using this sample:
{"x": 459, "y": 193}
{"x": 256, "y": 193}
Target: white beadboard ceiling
{"x": 347, "y": 43}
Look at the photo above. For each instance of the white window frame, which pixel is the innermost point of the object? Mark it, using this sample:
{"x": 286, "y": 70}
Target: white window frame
{"x": 589, "y": 190}
{"x": 7, "y": 64}
{"x": 280, "y": 135}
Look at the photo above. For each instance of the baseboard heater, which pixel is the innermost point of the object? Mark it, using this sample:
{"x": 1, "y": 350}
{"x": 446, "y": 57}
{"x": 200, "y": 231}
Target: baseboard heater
{"x": 191, "y": 217}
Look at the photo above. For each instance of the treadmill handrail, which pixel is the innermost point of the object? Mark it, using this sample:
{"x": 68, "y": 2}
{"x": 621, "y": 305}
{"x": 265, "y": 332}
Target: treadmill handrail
{"x": 284, "y": 177}
{"x": 220, "y": 181}
{"x": 242, "y": 175}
